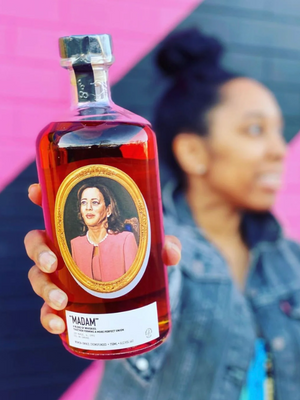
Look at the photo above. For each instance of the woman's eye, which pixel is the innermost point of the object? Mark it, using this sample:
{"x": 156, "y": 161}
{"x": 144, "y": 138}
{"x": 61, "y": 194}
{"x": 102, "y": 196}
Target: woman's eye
{"x": 255, "y": 130}
{"x": 95, "y": 203}
{"x": 83, "y": 203}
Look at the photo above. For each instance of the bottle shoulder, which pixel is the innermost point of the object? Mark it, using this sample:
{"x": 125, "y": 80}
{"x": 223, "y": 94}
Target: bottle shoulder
{"x": 103, "y": 112}
{"x": 65, "y": 134}
{"x": 91, "y": 124}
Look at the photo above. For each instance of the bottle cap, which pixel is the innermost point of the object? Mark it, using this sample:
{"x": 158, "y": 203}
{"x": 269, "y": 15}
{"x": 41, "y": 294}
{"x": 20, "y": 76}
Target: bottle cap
{"x": 84, "y": 48}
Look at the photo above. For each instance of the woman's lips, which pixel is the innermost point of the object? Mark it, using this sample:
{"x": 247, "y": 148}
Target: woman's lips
{"x": 90, "y": 215}
{"x": 271, "y": 180}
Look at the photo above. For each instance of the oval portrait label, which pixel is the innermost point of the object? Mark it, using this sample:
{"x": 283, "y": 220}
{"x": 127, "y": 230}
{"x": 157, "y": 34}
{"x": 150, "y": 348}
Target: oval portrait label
{"x": 103, "y": 230}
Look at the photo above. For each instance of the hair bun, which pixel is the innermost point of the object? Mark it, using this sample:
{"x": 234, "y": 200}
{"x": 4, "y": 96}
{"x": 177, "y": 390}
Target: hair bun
{"x": 187, "y": 51}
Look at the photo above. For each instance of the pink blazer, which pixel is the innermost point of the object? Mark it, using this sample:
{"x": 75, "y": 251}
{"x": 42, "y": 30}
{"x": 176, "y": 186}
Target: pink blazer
{"x": 116, "y": 255}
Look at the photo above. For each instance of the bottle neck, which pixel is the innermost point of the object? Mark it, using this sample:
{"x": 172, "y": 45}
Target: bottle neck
{"x": 90, "y": 86}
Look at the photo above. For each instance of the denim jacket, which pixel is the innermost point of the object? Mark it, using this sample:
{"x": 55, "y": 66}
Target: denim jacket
{"x": 214, "y": 325}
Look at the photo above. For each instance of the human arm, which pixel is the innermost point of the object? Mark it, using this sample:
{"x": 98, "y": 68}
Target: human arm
{"x": 40, "y": 249}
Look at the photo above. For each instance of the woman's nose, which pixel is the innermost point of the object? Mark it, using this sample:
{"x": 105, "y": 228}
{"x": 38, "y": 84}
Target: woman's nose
{"x": 89, "y": 205}
{"x": 278, "y": 146}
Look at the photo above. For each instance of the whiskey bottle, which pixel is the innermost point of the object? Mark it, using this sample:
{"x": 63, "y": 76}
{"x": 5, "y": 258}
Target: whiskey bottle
{"x": 98, "y": 169}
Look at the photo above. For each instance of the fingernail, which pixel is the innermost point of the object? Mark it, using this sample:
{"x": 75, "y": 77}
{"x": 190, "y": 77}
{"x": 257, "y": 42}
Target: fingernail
{"x": 57, "y": 297}
{"x": 31, "y": 186}
{"x": 173, "y": 246}
{"x": 56, "y": 325}
{"x": 47, "y": 259}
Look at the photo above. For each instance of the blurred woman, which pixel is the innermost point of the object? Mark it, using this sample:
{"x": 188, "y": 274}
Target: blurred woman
{"x": 236, "y": 293}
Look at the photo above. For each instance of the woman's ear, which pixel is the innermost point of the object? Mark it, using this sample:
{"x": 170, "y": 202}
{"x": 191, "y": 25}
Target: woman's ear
{"x": 108, "y": 210}
{"x": 191, "y": 154}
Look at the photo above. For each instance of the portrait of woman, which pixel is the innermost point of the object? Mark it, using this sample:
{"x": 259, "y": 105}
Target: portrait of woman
{"x": 105, "y": 249}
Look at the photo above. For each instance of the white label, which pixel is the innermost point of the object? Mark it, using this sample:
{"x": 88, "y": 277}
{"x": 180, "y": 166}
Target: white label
{"x": 113, "y": 331}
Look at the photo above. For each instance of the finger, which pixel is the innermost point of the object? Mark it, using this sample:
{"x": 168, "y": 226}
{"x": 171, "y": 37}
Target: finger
{"x": 35, "y": 193}
{"x": 51, "y": 321}
{"x": 45, "y": 288}
{"x": 171, "y": 251}
{"x": 36, "y": 245}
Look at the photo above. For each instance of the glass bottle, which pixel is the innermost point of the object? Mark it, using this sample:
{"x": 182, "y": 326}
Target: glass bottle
{"x": 98, "y": 170}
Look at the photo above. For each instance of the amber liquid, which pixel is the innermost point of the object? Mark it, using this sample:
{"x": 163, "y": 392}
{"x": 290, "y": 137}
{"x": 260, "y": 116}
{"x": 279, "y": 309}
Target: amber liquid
{"x": 63, "y": 147}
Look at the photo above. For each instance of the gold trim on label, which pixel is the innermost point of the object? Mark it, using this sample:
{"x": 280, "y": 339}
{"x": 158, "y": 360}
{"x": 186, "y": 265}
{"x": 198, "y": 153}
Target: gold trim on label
{"x": 63, "y": 192}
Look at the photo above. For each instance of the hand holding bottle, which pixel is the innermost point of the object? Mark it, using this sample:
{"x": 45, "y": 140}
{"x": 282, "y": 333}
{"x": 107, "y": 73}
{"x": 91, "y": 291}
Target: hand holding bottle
{"x": 39, "y": 249}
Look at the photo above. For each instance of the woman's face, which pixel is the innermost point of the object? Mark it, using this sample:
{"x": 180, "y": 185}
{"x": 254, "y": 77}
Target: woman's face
{"x": 245, "y": 148}
{"x": 92, "y": 207}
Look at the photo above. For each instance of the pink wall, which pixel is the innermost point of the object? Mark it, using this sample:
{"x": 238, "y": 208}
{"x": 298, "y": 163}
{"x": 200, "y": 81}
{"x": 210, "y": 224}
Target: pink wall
{"x": 33, "y": 87}
{"x": 86, "y": 385}
{"x": 287, "y": 207}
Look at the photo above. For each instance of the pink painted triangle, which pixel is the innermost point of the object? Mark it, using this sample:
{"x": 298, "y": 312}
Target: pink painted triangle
{"x": 33, "y": 85}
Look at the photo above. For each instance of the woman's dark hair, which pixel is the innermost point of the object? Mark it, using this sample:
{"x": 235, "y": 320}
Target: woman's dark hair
{"x": 115, "y": 224}
{"x": 192, "y": 60}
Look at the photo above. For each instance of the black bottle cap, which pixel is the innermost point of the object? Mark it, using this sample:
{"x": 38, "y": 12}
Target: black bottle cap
{"x": 87, "y": 47}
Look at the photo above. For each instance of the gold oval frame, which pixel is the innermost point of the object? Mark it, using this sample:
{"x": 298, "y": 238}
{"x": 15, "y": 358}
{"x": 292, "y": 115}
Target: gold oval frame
{"x": 128, "y": 183}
